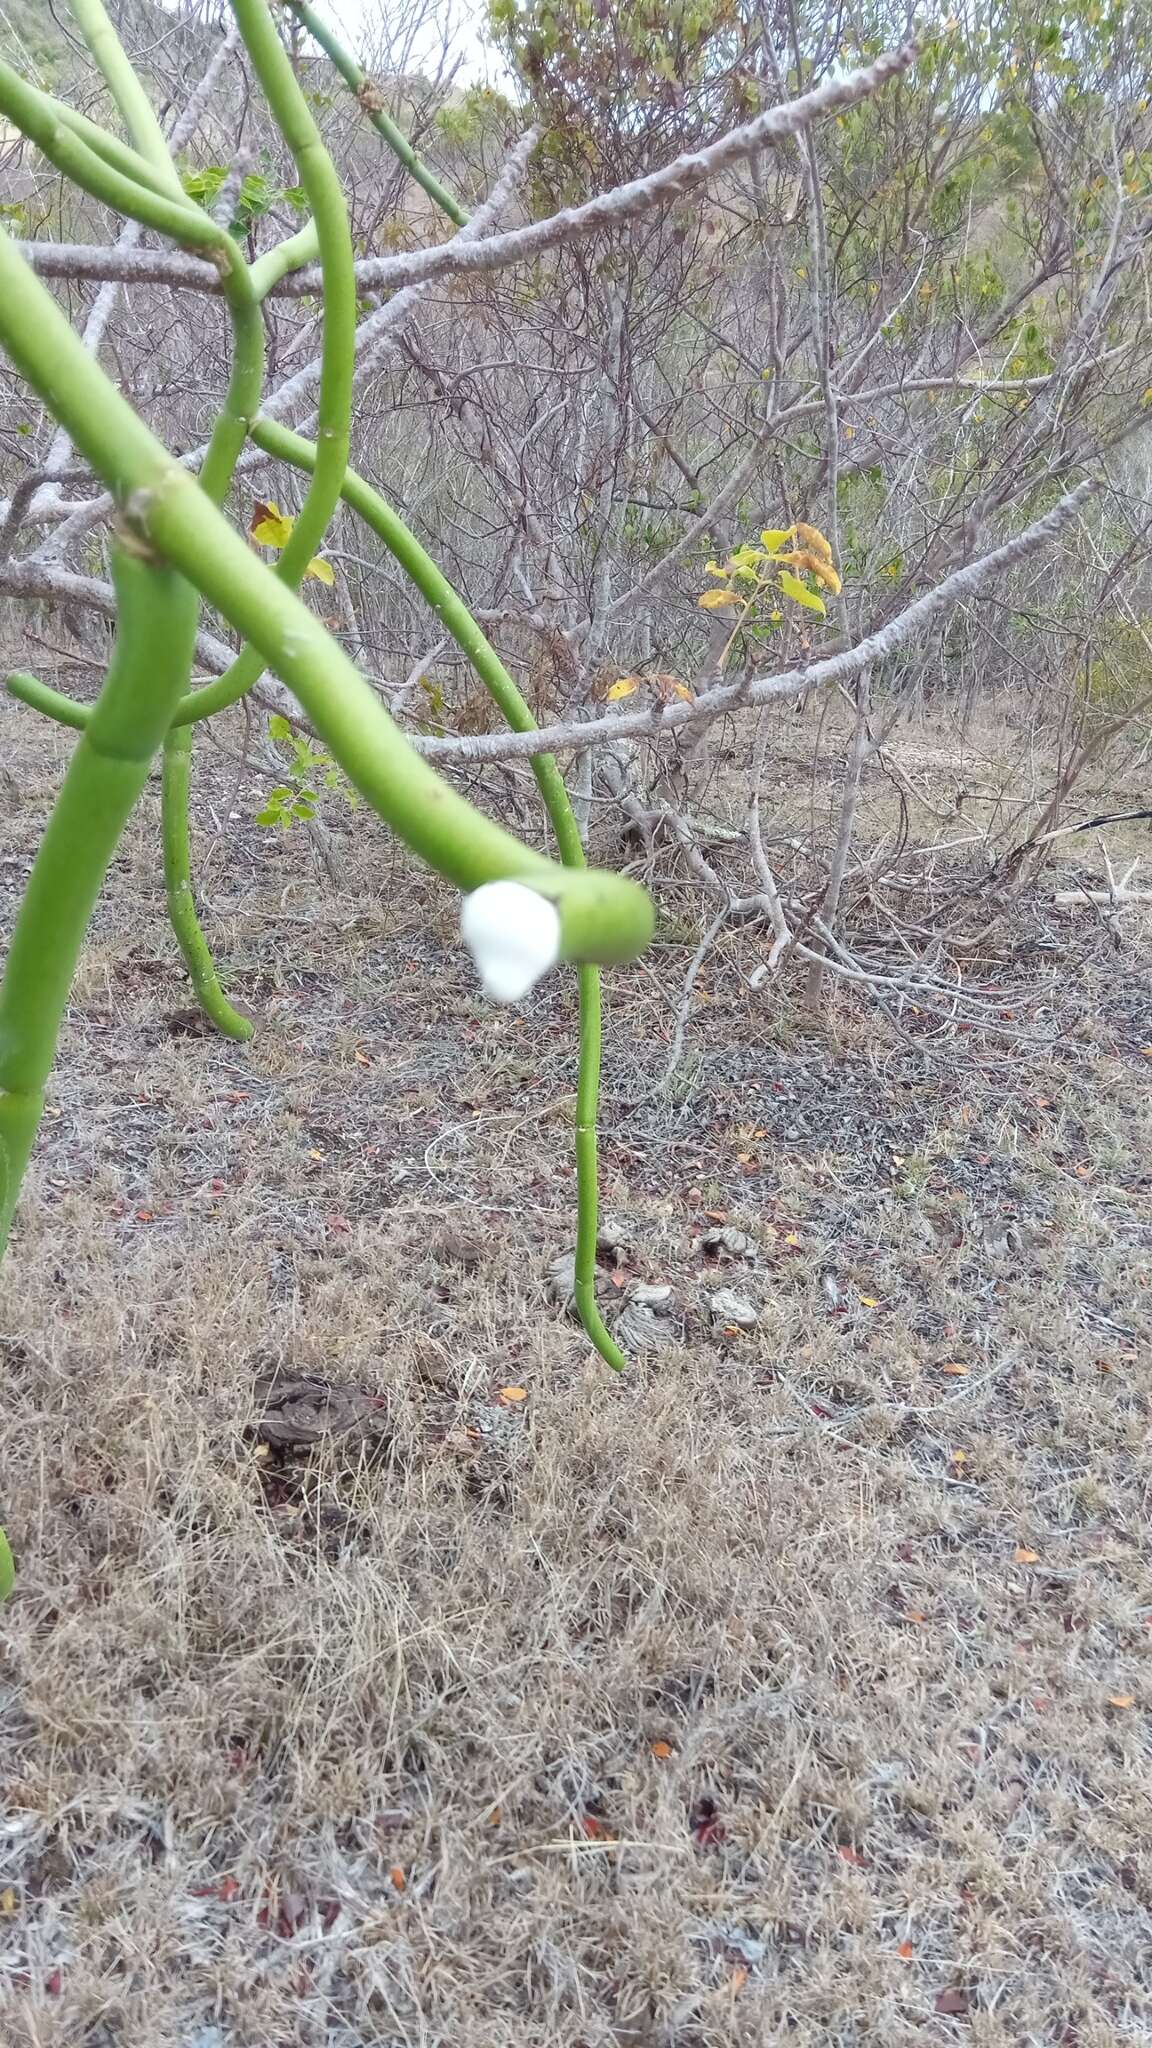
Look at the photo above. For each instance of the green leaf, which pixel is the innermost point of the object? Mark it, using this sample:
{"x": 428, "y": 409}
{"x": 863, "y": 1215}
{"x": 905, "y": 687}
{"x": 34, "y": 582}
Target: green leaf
{"x": 793, "y": 588}
{"x": 7, "y": 1567}
{"x": 279, "y": 728}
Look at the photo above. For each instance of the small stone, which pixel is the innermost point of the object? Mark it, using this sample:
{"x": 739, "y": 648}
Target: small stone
{"x": 727, "y": 1307}
{"x": 613, "y": 1240}
{"x": 727, "y": 1241}
{"x": 647, "y": 1319}
{"x": 560, "y": 1285}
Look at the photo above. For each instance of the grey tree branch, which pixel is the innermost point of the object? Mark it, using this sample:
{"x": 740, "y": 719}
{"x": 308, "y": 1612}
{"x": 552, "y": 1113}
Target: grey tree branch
{"x": 685, "y": 174}
{"x": 32, "y": 579}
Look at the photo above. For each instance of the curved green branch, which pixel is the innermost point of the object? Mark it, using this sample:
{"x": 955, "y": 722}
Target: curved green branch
{"x": 50, "y": 703}
{"x": 291, "y": 254}
{"x": 132, "y": 102}
{"x": 338, "y": 349}
{"x": 433, "y": 585}
{"x": 178, "y": 888}
{"x": 151, "y": 660}
{"x": 361, "y": 86}
{"x": 602, "y": 916}
{"x": 179, "y": 218}
{"x": 120, "y": 156}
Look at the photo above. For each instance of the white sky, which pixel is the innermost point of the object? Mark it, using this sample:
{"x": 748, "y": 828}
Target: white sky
{"x": 362, "y": 24}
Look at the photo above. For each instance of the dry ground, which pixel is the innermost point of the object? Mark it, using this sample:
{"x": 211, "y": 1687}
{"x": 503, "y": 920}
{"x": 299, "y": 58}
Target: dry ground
{"x": 796, "y": 1688}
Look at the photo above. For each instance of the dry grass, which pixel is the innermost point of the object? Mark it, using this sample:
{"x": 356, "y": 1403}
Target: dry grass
{"x": 766, "y": 1695}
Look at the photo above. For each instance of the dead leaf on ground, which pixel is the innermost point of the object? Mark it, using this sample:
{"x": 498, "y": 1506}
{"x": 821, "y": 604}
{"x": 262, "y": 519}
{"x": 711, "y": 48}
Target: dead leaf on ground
{"x": 596, "y": 1829}
{"x": 954, "y": 2002}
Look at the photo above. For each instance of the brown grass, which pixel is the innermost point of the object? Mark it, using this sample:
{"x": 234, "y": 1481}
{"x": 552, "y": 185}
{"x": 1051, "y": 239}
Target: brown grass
{"x": 767, "y": 1695}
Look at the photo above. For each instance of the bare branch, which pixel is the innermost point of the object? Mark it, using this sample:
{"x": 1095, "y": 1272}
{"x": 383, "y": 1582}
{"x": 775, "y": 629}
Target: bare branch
{"x": 520, "y": 245}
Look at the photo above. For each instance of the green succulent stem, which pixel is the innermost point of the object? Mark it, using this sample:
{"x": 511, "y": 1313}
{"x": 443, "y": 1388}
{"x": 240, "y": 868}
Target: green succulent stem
{"x": 118, "y": 155}
{"x": 329, "y": 226}
{"x": 291, "y": 254}
{"x": 374, "y": 509}
{"x": 144, "y": 196}
{"x": 361, "y": 86}
{"x": 151, "y": 659}
{"x": 50, "y": 703}
{"x": 178, "y": 887}
{"x": 588, "y": 1168}
{"x": 132, "y": 102}
{"x": 602, "y": 916}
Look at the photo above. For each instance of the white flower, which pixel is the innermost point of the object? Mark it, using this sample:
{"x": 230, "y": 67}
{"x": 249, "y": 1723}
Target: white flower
{"x": 513, "y": 935}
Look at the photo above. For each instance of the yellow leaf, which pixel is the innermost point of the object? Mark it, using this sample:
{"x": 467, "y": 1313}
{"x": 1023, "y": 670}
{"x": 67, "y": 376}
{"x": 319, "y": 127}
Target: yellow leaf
{"x": 623, "y": 688}
{"x": 869, "y": 1301}
{"x": 1121, "y": 1699}
{"x": 814, "y": 539}
{"x": 270, "y": 526}
{"x": 827, "y": 575}
{"x": 1023, "y": 1556}
{"x": 718, "y": 600}
{"x": 679, "y": 689}
{"x": 777, "y": 537}
{"x": 510, "y": 1395}
{"x": 793, "y": 588}
{"x": 958, "y": 1458}
{"x": 7, "y": 1900}
{"x": 716, "y": 569}
{"x": 321, "y": 570}
{"x": 815, "y": 565}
